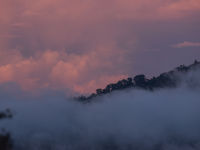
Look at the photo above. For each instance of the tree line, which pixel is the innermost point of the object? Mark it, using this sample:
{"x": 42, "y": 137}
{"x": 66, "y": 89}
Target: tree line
{"x": 168, "y": 79}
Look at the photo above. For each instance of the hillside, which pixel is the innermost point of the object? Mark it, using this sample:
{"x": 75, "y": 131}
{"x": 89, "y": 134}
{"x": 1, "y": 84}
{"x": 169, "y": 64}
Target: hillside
{"x": 169, "y": 79}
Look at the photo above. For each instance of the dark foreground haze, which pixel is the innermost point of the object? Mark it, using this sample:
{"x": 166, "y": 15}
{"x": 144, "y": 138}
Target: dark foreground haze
{"x": 132, "y": 119}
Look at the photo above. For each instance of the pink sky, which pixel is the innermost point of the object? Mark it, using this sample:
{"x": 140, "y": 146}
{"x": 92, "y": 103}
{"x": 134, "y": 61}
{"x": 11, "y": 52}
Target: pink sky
{"x": 82, "y": 45}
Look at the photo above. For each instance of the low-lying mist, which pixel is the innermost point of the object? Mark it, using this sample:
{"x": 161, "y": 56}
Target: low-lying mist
{"x": 166, "y": 119}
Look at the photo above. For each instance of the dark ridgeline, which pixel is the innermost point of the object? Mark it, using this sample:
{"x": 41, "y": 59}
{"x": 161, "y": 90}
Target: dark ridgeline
{"x": 5, "y": 139}
{"x": 165, "y": 80}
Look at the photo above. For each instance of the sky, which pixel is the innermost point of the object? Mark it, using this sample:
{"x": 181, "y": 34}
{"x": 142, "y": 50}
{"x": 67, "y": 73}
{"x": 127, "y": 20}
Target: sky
{"x": 78, "y": 46}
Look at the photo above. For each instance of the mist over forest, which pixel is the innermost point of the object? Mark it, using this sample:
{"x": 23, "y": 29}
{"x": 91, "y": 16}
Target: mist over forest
{"x": 133, "y": 118}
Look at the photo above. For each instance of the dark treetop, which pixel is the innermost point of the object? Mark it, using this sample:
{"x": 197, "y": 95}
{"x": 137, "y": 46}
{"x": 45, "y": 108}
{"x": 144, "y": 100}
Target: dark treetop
{"x": 5, "y": 139}
{"x": 165, "y": 80}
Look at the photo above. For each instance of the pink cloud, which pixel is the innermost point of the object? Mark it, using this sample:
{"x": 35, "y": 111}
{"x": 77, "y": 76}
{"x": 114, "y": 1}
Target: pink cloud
{"x": 57, "y": 70}
{"x": 76, "y": 44}
{"x": 180, "y": 9}
{"x": 187, "y": 44}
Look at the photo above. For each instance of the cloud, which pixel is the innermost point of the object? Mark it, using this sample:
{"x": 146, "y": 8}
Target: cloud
{"x": 56, "y": 69}
{"x": 87, "y": 40}
{"x": 180, "y": 8}
{"x": 187, "y": 44}
{"x": 163, "y": 119}
{"x": 81, "y": 26}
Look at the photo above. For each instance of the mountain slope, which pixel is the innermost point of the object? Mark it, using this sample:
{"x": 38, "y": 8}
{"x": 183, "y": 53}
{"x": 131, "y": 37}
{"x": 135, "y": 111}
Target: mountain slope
{"x": 169, "y": 79}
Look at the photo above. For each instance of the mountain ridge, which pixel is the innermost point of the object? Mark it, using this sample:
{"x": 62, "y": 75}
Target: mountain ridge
{"x": 164, "y": 80}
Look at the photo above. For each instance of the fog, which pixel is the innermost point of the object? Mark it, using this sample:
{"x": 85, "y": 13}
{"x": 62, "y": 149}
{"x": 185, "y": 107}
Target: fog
{"x": 166, "y": 119}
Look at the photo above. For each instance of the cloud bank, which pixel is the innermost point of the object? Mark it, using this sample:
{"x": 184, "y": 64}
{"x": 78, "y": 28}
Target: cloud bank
{"x": 82, "y": 45}
{"x": 187, "y": 44}
{"x": 132, "y": 119}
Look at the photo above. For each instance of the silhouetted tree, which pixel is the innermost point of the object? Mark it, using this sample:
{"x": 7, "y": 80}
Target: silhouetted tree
{"x": 5, "y": 139}
{"x": 140, "y": 80}
{"x": 99, "y": 91}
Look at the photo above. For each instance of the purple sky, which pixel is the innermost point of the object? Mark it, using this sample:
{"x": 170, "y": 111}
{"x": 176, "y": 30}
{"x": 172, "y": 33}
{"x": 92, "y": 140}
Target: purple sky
{"x": 82, "y": 45}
